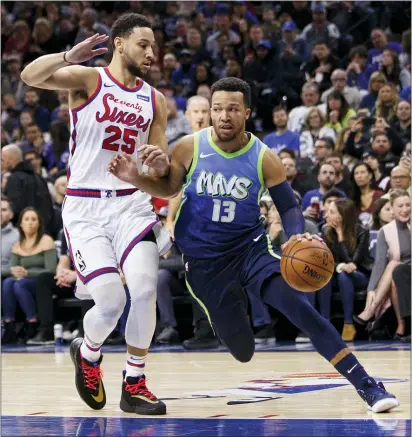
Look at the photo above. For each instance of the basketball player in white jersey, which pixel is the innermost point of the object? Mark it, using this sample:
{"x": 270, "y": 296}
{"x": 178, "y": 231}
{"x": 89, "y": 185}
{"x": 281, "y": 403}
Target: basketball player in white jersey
{"x": 109, "y": 223}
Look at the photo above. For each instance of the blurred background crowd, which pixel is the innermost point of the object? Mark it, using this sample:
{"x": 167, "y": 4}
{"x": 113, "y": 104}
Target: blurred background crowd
{"x": 331, "y": 86}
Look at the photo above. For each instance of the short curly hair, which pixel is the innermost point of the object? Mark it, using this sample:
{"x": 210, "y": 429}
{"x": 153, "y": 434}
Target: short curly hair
{"x": 233, "y": 84}
{"x": 125, "y": 24}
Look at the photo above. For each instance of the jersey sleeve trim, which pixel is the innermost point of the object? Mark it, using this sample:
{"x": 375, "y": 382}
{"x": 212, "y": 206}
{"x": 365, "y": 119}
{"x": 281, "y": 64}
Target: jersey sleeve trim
{"x": 92, "y": 97}
{"x": 260, "y": 171}
{"x": 153, "y": 96}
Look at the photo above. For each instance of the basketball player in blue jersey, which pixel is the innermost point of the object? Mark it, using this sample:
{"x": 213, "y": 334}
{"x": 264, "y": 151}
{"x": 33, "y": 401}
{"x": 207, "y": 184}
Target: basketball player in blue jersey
{"x": 224, "y": 171}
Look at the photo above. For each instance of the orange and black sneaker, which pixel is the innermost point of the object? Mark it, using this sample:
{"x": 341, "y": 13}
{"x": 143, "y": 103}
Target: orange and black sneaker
{"x": 89, "y": 376}
{"x": 136, "y": 397}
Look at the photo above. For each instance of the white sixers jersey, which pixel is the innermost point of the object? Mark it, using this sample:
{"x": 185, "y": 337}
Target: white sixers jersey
{"x": 114, "y": 120}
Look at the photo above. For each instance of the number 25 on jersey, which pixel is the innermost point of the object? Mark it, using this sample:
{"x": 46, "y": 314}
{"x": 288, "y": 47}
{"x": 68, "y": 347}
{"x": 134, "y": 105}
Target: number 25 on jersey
{"x": 127, "y": 139}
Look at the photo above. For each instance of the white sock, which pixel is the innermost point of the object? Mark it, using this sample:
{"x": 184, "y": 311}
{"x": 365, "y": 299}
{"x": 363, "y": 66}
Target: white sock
{"x": 135, "y": 365}
{"x": 90, "y": 351}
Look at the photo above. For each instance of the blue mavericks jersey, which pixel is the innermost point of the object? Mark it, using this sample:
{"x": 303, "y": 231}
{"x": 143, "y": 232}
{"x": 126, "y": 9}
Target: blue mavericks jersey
{"x": 220, "y": 209}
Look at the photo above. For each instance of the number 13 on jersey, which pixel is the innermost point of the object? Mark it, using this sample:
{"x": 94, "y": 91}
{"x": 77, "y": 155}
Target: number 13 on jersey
{"x": 223, "y": 212}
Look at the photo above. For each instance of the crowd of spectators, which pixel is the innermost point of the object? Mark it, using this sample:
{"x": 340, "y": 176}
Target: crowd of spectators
{"x": 331, "y": 87}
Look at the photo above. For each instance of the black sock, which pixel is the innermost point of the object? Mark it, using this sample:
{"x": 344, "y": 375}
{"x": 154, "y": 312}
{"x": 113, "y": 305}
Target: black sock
{"x": 352, "y": 370}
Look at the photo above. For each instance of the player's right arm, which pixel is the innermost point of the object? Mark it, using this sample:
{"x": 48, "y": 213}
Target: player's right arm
{"x": 166, "y": 187}
{"x": 56, "y": 72}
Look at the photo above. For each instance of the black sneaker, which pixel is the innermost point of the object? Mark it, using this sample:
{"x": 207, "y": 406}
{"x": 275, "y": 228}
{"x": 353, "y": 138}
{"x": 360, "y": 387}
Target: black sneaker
{"x": 376, "y": 396}
{"x": 136, "y": 397}
{"x": 89, "y": 376}
{"x": 10, "y": 335}
{"x": 201, "y": 343}
{"x": 264, "y": 333}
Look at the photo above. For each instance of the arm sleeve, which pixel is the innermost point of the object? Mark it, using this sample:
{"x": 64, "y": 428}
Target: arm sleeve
{"x": 288, "y": 208}
{"x": 50, "y": 264}
{"x": 381, "y": 260}
{"x": 14, "y": 261}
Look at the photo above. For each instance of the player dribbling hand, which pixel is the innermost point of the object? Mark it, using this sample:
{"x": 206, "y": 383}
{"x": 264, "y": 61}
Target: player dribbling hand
{"x": 124, "y": 167}
{"x": 155, "y": 158}
{"x": 300, "y": 237}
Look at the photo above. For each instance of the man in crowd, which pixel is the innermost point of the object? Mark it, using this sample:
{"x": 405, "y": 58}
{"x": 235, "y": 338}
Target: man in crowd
{"x": 340, "y": 83}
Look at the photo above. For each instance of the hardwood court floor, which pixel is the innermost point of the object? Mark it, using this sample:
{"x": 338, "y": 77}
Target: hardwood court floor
{"x": 206, "y": 385}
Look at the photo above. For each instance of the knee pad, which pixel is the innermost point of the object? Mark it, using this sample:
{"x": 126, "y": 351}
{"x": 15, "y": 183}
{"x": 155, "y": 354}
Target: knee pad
{"x": 108, "y": 294}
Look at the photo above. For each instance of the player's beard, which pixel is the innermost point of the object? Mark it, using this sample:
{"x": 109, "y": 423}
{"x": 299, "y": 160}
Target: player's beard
{"x": 226, "y": 138}
{"x": 134, "y": 70}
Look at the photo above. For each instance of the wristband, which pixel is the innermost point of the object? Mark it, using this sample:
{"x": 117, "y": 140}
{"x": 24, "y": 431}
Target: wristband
{"x": 64, "y": 58}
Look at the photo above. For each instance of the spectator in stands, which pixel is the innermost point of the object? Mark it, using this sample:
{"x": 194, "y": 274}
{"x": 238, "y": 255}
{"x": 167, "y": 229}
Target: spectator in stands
{"x": 364, "y": 192}
{"x": 329, "y": 197}
{"x": 313, "y": 129}
{"x": 310, "y": 98}
{"x": 342, "y": 180}
{"x": 60, "y": 137}
{"x": 340, "y": 83}
{"x": 349, "y": 243}
{"x": 204, "y": 90}
{"x": 376, "y": 82}
{"x": 312, "y": 199}
{"x": 393, "y": 247}
{"x": 33, "y": 254}
{"x": 232, "y": 69}
{"x": 320, "y": 28}
{"x": 270, "y": 25}
{"x": 402, "y": 284}
{"x": 35, "y": 143}
{"x": 177, "y": 124}
{"x": 60, "y": 186}
{"x": 380, "y": 43}
{"x": 25, "y": 118}
{"x": 19, "y": 40}
{"x": 198, "y": 113}
{"x": 195, "y": 44}
{"x": 323, "y": 148}
{"x": 338, "y": 112}
{"x": 319, "y": 68}
{"x": 24, "y": 188}
{"x": 40, "y": 113}
{"x": 222, "y": 27}
{"x": 402, "y": 122}
{"x": 253, "y": 37}
{"x": 290, "y": 45}
{"x": 9, "y": 235}
{"x": 44, "y": 39}
{"x": 10, "y": 80}
{"x": 63, "y": 98}
{"x": 89, "y": 25}
{"x": 400, "y": 178}
{"x": 289, "y": 164}
{"x": 50, "y": 286}
{"x": 240, "y": 12}
{"x": 400, "y": 77}
{"x": 370, "y": 157}
{"x": 282, "y": 137}
{"x": 406, "y": 94}
{"x": 182, "y": 77}
{"x": 155, "y": 75}
{"x": 170, "y": 66}
{"x": 382, "y": 214}
{"x": 357, "y": 72}
{"x": 382, "y": 146}
{"x": 203, "y": 74}
{"x": 386, "y": 103}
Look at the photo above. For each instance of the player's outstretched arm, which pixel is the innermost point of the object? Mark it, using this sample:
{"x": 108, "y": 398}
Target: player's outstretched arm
{"x": 55, "y": 72}
{"x": 166, "y": 187}
{"x": 157, "y": 133}
{"x": 282, "y": 195}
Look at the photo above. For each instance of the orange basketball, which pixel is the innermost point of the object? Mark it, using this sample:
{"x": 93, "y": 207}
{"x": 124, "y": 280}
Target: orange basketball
{"x": 307, "y": 265}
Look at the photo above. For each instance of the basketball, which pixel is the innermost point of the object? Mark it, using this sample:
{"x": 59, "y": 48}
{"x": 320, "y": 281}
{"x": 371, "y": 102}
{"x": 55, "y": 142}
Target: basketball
{"x": 307, "y": 265}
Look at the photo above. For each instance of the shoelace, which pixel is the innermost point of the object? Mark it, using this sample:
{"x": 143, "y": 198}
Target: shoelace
{"x": 92, "y": 375}
{"x": 140, "y": 389}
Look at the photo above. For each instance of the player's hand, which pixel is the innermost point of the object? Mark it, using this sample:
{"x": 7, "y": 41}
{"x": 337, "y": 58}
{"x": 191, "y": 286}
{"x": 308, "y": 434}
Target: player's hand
{"x": 83, "y": 51}
{"x": 155, "y": 158}
{"x": 124, "y": 167}
{"x": 301, "y": 237}
{"x": 169, "y": 226}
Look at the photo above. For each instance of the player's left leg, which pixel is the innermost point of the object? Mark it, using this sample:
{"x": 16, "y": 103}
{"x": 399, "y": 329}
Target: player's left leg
{"x": 296, "y": 307}
{"x": 140, "y": 269}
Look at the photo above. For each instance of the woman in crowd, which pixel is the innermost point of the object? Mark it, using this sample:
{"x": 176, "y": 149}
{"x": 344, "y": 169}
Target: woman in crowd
{"x": 386, "y": 103}
{"x": 338, "y": 112}
{"x": 382, "y": 214}
{"x": 400, "y": 77}
{"x": 364, "y": 192}
{"x": 392, "y": 248}
{"x": 382, "y": 182}
{"x": 376, "y": 82}
{"x": 33, "y": 254}
{"x": 349, "y": 243}
{"x": 313, "y": 129}
{"x": 26, "y": 118}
